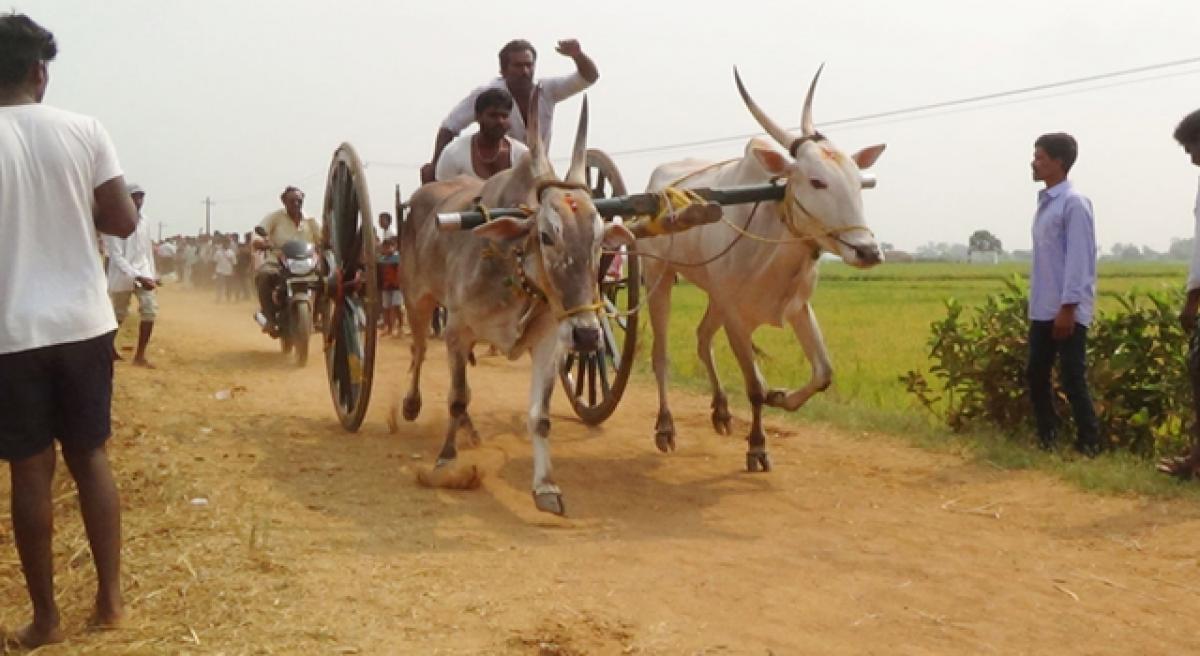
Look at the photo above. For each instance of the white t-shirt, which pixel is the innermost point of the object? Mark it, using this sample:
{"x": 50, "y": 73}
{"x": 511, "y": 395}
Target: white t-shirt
{"x": 225, "y": 259}
{"x": 456, "y": 157}
{"x": 554, "y": 91}
{"x": 52, "y": 288}
{"x": 130, "y": 258}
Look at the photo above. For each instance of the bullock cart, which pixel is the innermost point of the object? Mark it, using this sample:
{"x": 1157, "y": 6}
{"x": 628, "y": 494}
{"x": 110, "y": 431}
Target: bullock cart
{"x": 593, "y": 382}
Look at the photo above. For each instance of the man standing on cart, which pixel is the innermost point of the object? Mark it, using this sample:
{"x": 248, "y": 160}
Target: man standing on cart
{"x": 518, "y": 60}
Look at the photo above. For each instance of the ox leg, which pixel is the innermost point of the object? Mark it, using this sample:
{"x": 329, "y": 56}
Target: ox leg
{"x": 704, "y": 335}
{"x": 546, "y": 494}
{"x": 743, "y": 350}
{"x": 660, "y": 277}
{"x": 459, "y": 343}
{"x": 460, "y": 394}
{"x": 419, "y": 314}
{"x": 804, "y": 323}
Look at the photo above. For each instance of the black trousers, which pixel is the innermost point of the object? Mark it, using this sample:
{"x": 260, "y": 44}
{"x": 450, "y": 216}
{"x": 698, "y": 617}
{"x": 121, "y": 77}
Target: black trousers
{"x": 1043, "y": 350}
{"x": 266, "y": 279}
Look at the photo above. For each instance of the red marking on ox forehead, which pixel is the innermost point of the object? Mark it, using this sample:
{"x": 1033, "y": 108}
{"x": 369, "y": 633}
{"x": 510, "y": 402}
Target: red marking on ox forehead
{"x": 829, "y": 153}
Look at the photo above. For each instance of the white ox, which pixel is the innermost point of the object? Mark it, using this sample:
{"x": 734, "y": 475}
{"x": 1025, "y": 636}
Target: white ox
{"x": 749, "y": 281}
{"x": 523, "y": 284}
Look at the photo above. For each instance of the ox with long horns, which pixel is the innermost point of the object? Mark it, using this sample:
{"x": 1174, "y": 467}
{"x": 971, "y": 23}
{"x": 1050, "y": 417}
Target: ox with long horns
{"x": 762, "y": 269}
{"x": 523, "y": 284}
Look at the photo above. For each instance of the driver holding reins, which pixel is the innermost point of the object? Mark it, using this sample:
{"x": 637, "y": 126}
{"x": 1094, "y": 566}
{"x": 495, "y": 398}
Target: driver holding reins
{"x": 281, "y": 226}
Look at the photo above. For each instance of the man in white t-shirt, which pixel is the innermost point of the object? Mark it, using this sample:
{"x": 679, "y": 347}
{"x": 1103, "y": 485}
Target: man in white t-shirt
{"x": 1187, "y": 134}
{"x": 518, "y": 59}
{"x": 62, "y": 184}
{"x": 224, "y": 261}
{"x": 132, "y": 272}
{"x": 489, "y": 150}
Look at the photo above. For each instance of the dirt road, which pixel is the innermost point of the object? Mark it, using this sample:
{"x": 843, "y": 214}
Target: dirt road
{"x": 256, "y": 525}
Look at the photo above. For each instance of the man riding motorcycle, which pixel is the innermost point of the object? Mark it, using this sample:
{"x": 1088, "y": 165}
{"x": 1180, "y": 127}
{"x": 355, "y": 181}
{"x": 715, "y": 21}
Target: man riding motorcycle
{"x": 280, "y": 226}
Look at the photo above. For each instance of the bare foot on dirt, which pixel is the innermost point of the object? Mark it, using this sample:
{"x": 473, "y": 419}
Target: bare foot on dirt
{"x": 106, "y": 619}
{"x": 31, "y": 636}
{"x": 143, "y": 363}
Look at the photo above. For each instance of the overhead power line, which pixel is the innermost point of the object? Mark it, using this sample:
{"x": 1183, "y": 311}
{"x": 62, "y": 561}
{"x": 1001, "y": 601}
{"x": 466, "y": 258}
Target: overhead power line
{"x": 1014, "y": 96}
{"x": 916, "y": 109}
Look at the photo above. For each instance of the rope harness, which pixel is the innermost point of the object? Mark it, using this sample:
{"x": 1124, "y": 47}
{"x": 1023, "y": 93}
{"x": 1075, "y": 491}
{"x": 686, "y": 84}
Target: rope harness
{"x": 533, "y": 246}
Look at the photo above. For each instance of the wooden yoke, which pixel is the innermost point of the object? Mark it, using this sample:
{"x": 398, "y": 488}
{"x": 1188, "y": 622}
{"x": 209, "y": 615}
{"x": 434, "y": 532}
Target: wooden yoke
{"x": 655, "y": 213}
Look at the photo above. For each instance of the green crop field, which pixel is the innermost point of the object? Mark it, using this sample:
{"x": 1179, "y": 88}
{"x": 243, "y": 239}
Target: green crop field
{"x": 875, "y": 323}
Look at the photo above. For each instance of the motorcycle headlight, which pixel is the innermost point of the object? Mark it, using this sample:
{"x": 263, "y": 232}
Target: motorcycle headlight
{"x": 302, "y": 267}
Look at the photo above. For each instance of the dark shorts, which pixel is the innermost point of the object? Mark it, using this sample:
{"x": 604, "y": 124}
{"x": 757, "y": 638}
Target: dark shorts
{"x": 61, "y": 392}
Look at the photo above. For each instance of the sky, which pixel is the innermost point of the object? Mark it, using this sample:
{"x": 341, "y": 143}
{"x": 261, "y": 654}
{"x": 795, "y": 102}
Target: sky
{"x": 234, "y": 100}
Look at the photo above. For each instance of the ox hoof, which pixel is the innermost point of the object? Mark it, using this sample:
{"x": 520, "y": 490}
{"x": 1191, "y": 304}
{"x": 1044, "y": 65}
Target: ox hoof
{"x": 756, "y": 462}
{"x": 550, "y": 502}
{"x": 664, "y": 439}
{"x": 412, "y": 407}
{"x": 721, "y": 421}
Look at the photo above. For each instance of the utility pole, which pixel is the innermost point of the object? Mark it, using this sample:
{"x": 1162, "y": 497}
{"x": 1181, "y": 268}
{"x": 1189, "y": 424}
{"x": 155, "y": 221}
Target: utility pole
{"x": 160, "y": 231}
{"x": 208, "y": 215}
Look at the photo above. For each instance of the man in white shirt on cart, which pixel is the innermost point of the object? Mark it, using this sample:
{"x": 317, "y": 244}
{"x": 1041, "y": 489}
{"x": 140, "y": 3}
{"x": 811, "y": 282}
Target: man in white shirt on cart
{"x": 518, "y": 60}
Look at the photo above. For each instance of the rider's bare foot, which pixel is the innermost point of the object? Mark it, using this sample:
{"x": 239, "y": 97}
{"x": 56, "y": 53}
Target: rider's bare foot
{"x": 32, "y": 636}
{"x": 144, "y": 363}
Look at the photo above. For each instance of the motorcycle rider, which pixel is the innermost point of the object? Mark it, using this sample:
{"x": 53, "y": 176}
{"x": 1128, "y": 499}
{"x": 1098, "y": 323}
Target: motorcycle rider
{"x": 281, "y": 226}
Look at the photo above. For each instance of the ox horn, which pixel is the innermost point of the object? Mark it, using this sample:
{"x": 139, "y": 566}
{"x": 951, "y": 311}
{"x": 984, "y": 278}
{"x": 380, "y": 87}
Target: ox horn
{"x": 774, "y": 129}
{"x": 533, "y": 135}
{"x": 579, "y": 155}
{"x": 806, "y": 121}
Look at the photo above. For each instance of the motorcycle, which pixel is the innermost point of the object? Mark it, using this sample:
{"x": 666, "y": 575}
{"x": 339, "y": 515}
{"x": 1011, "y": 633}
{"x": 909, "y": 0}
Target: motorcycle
{"x": 295, "y": 297}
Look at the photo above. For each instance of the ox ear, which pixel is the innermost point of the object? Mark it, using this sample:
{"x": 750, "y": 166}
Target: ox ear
{"x": 616, "y": 234}
{"x": 866, "y": 157}
{"x": 771, "y": 160}
{"x": 504, "y": 229}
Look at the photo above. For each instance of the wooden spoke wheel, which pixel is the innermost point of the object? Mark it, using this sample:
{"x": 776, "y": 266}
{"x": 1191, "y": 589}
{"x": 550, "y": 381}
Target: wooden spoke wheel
{"x": 351, "y": 302}
{"x": 595, "y": 381}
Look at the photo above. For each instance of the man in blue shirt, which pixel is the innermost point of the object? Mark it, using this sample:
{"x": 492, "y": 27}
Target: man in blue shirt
{"x": 1062, "y": 293}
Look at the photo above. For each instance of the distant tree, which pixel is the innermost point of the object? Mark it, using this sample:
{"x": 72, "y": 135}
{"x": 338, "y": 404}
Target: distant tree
{"x": 1122, "y": 251}
{"x": 1180, "y": 249}
{"x": 887, "y": 246}
{"x": 1150, "y": 254}
{"x": 983, "y": 241}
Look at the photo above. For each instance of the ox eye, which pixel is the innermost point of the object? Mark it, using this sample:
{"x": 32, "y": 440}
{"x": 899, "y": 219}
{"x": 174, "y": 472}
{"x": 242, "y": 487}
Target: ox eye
{"x": 817, "y": 183}
{"x": 546, "y": 239}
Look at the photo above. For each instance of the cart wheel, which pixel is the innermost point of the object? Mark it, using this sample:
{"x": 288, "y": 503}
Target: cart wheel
{"x": 351, "y": 297}
{"x": 594, "y": 382}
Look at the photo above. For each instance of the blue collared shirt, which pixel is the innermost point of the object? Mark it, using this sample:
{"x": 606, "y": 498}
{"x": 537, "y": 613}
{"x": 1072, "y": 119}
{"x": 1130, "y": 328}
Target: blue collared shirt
{"x": 1064, "y": 254}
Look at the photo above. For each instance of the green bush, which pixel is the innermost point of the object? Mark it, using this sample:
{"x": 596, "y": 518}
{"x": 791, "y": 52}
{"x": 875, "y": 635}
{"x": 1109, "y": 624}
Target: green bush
{"x": 1137, "y": 370}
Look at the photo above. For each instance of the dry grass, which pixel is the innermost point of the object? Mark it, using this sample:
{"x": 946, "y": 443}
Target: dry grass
{"x": 199, "y": 574}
